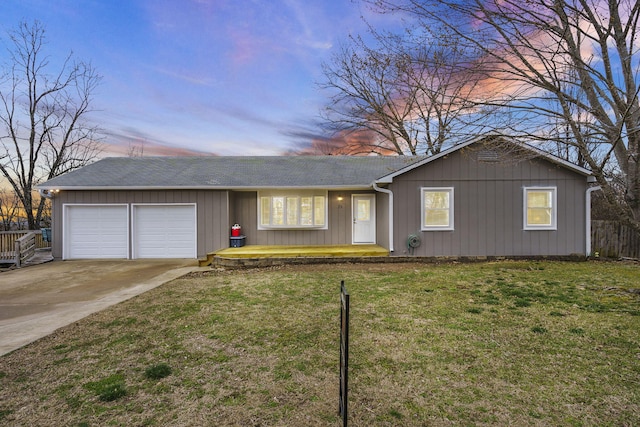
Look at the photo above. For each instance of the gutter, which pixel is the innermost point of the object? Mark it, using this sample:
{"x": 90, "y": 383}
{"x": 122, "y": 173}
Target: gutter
{"x": 588, "y": 216}
{"x": 57, "y": 188}
{"x": 390, "y": 193}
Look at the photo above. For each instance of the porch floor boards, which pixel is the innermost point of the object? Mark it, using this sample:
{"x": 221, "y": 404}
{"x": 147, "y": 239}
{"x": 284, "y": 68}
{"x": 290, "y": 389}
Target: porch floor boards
{"x": 295, "y": 251}
{"x": 299, "y": 251}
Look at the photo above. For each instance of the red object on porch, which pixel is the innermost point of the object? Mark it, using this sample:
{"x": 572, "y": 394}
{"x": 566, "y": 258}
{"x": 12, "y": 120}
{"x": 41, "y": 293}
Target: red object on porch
{"x": 236, "y": 230}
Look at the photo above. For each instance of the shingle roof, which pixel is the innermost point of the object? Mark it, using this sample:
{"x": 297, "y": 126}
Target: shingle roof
{"x": 231, "y": 172}
{"x": 262, "y": 172}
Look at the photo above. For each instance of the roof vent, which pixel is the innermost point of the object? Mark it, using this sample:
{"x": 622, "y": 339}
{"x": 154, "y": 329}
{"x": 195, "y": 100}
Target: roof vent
{"x": 488, "y": 156}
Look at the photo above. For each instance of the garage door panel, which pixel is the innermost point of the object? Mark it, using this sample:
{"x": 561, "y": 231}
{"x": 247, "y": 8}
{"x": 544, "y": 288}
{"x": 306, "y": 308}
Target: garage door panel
{"x": 96, "y": 231}
{"x": 167, "y": 231}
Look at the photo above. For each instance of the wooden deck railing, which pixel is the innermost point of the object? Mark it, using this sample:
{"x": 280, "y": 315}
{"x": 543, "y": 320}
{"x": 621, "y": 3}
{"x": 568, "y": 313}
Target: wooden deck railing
{"x": 9, "y": 241}
{"x": 25, "y": 247}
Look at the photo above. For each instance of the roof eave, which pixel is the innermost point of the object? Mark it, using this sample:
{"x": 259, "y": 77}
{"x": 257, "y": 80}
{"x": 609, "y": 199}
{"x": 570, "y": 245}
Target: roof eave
{"x": 204, "y": 187}
{"x": 555, "y": 159}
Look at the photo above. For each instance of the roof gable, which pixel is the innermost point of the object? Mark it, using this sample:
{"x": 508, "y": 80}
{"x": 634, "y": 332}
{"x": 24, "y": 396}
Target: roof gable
{"x": 535, "y": 152}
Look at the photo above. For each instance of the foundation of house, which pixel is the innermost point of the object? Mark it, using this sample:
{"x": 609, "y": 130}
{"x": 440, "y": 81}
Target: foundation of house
{"x": 267, "y": 256}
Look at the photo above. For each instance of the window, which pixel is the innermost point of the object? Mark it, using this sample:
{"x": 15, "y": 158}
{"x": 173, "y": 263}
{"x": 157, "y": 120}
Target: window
{"x": 437, "y": 209}
{"x": 540, "y": 210}
{"x": 307, "y": 209}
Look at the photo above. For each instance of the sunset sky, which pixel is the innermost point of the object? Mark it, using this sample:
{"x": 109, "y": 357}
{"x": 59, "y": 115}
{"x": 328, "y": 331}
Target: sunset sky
{"x": 229, "y": 77}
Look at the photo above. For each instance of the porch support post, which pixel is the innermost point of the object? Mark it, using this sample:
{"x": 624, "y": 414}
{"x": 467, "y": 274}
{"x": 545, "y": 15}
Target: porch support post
{"x": 390, "y": 193}
{"x": 18, "y": 250}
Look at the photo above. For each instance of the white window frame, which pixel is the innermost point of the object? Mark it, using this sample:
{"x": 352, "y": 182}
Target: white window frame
{"x": 554, "y": 208}
{"x": 450, "y": 226}
{"x": 294, "y": 194}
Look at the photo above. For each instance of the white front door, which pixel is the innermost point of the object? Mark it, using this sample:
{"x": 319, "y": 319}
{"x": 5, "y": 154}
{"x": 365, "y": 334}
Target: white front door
{"x": 364, "y": 218}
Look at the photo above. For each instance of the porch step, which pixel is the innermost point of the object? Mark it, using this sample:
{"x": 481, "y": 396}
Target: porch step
{"x": 39, "y": 257}
{"x": 297, "y": 251}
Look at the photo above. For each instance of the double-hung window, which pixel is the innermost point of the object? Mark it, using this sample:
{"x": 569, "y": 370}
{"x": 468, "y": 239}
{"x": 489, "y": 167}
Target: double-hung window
{"x": 437, "y": 208}
{"x": 540, "y": 208}
{"x": 292, "y": 209}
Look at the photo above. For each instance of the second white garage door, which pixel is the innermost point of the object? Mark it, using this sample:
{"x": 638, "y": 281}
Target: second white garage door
{"x": 164, "y": 231}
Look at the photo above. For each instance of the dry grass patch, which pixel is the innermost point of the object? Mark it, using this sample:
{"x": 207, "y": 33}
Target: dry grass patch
{"x": 507, "y": 343}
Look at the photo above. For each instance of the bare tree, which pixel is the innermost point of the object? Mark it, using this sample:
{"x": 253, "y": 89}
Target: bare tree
{"x": 365, "y": 98}
{"x": 571, "y": 64}
{"x": 136, "y": 148}
{"x": 43, "y": 116}
{"x": 9, "y": 205}
{"x": 444, "y": 75}
{"x": 411, "y": 98}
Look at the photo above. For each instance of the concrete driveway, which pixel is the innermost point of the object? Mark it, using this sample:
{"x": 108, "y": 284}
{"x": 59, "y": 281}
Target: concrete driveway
{"x": 37, "y": 300}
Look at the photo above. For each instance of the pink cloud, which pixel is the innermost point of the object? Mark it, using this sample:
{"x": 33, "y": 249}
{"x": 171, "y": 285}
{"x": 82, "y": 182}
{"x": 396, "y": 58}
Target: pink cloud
{"x": 244, "y": 47}
{"x": 134, "y": 143}
{"x": 353, "y": 143}
{"x": 149, "y": 149}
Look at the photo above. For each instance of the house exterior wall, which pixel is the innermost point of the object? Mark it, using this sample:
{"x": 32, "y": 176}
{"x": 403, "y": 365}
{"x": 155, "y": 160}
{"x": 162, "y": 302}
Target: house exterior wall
{"x": 382, "y": 219}
{"x": 339, "y": 232}
{"x": 488, "y": 208}
{"x": 212, "y": 210}
{"x": 488, "y": 211}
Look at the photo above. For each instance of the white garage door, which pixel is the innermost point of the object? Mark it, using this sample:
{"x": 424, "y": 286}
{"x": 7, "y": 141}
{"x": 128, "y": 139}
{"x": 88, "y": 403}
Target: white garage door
{"x": 164, "y": 231}
{"x": 96, "y": 231}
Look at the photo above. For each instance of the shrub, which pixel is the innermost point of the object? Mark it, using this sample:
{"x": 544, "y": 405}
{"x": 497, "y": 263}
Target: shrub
{"x": 108, "y": 389}
{"x": 157, "y": 372}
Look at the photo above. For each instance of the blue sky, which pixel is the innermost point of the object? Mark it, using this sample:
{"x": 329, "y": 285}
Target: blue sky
{"x": 229, "y": 77}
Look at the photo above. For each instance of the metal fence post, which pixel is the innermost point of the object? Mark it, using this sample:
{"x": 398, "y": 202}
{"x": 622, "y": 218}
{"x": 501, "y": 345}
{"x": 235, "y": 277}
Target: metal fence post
{"x": 344, "y": 353}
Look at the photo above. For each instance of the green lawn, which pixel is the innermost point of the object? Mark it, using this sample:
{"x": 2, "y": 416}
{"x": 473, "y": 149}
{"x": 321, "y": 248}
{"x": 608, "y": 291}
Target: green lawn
{"x": 501, "y": 343}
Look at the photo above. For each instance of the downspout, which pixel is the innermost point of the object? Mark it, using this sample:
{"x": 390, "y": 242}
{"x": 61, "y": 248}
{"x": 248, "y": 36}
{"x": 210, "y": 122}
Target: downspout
{"x": 588, "y": 213}
{"x": 390, "y": 193}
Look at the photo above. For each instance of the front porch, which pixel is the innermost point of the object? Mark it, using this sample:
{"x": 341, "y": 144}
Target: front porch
{"x": 258, "y": 254}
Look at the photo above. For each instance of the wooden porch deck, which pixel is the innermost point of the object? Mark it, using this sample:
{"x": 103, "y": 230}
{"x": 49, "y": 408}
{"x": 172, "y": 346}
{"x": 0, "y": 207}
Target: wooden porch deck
{"x": 297, "y": 251}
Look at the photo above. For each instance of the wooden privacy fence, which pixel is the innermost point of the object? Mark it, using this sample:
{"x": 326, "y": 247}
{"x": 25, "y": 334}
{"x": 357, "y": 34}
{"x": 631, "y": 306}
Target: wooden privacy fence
{"x": 612, "y": 239}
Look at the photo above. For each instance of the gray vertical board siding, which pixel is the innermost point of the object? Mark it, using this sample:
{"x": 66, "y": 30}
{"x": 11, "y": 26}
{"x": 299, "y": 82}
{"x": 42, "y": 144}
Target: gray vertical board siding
{"x": 245, "y": 213}
{"x": 56, "y": 228}
{"x": 488, "y": 208}
{"x": 340, "y": 219}
{"x": 211, "y": 209}
{"x": 231, "y": 212}
{"x": 382, "y": 220}
{"x": 338, "y": 231}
